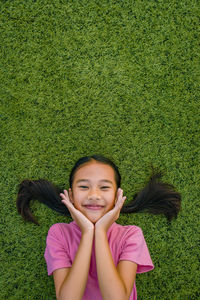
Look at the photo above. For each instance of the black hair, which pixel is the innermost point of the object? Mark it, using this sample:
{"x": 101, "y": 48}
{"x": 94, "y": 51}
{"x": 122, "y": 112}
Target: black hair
{"x": 156, "y": 197}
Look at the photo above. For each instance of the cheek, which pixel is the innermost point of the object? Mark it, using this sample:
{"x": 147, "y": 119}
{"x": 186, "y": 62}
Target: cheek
{"x": 74, "y": 198}
{"x": 112, "y": 200}
{"x": 78, "y": 197}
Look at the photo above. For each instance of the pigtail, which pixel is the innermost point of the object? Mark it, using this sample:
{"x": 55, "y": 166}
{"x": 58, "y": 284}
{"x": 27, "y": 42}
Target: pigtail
{"x": 156, "y": 198}
{"x": 42, "y": 190}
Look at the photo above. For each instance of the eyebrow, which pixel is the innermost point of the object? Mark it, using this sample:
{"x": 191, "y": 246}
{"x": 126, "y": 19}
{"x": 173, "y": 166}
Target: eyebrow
{"x": 103, "y": 180}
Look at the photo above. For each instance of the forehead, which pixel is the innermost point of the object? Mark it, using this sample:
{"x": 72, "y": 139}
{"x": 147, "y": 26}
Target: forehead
{"x": 95, "y": 171}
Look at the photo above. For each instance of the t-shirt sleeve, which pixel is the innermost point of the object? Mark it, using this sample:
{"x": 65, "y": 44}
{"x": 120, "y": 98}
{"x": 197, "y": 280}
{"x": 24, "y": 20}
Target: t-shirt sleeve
{"x": 56, "y": 252}
{"x": 134, "y": 248}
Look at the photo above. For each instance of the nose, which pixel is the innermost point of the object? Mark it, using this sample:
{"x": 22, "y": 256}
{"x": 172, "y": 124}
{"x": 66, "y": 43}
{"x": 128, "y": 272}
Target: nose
{"x": 94, "y": 194}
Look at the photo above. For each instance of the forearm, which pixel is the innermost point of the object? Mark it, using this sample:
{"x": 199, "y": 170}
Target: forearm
{"x": 74, "y": 284}
{"x": 110, "y": 283}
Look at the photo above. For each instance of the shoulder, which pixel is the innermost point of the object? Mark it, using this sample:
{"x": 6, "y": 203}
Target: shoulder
{"x": 60, "y": 235}
{"x": 126, "y": 230}
{"x": 122, "y": 235}
{"x": 129, "y": 235}
{"x": 60, "y": 229}
{"x": 68, "y": 231}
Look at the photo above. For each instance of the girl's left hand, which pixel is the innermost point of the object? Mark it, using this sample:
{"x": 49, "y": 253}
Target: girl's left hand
{"x": 110, "y": 217}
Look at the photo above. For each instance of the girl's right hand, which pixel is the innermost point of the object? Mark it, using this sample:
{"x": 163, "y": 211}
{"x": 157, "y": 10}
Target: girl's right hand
{"x": 85, "y": 225}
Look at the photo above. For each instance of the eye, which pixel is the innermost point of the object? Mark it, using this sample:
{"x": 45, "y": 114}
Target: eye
{"x": 105, "y": 187}
{"x": 83, "y": 186}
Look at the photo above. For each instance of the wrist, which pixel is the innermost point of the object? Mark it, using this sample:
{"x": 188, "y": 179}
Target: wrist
{"x": 88, "y": 232}
{"x": 100, "y": 231}
{"x": 101, "y": 228}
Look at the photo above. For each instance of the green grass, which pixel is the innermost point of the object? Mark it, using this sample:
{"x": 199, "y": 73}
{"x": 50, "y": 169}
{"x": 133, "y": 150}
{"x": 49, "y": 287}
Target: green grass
{"x": 120, "y": 78}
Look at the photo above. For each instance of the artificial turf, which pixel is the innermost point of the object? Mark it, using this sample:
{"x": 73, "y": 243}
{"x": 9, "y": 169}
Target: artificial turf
{"x": 119, "y": 78}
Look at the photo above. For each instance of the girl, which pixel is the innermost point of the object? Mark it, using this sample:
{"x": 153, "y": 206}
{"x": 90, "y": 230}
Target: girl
{"x": 93, "y": 257}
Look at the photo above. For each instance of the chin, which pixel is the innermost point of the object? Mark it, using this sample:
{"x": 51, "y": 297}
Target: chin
{"x": 94, "y": 220}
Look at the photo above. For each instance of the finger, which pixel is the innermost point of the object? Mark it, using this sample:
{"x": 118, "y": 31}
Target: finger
{"x": 119, "y": 192}
{"x": 64, "y": 194}
{"x": 65, "y": 199}
{"x": 120, "y": 202}
{"x": 119, "y": 195}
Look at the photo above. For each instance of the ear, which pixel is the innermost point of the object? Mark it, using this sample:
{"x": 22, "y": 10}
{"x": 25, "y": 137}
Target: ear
{"x": 71, "y": 195}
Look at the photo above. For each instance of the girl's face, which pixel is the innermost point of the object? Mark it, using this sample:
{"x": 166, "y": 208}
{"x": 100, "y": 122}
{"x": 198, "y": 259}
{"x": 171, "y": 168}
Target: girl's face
{"x": 94, "y": 190}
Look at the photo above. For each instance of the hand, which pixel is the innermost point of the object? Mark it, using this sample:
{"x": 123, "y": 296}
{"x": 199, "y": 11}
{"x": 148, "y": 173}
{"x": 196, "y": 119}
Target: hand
{"x": 110, "y": 217}
{"x": 83, "y": 222}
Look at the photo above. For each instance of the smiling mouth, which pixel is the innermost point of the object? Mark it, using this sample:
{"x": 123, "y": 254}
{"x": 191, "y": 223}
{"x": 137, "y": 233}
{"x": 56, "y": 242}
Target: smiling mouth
{"x": 94, "y": 207}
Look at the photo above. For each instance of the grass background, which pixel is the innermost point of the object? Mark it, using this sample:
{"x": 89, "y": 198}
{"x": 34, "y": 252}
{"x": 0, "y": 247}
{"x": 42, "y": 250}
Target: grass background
{"x": 120, "y": 78}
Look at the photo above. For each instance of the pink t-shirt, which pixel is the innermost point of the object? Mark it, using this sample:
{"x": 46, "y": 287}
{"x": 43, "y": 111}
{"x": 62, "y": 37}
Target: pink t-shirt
{"x": 126, "y": 243}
